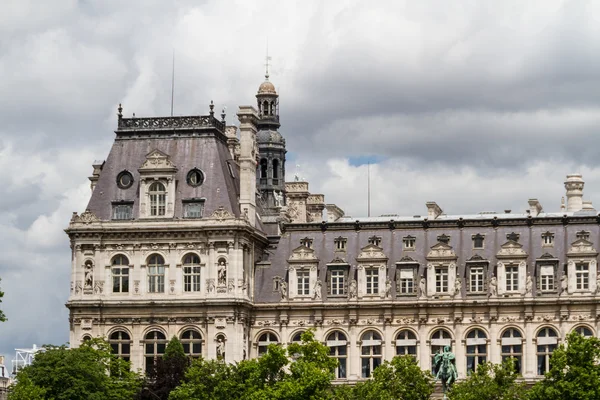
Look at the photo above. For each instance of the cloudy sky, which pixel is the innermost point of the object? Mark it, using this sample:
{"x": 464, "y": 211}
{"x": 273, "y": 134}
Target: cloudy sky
{"x": 478, "y": 105}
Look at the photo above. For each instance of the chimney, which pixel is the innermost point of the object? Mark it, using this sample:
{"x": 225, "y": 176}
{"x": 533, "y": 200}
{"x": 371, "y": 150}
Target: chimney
{"x": 433, "y": 210}
{"x": 574, "y": 185}
{"x": 534, "y": 207}
{"x": 248, "y": 151}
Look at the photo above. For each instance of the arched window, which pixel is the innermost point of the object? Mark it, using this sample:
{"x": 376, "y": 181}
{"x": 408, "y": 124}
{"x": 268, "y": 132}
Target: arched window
{"x": 370, "y": 353}
{"x": 406, "y": 343}
{"x": 439, "y": 340}
{"x": 297, "y": 338}
{"x": 584, "y": 331}
{"x": 264, "y": 166}
{"x": 192, "y": 343}
{"x": 191, "y": 273}
{"x": 86, "y": 338}
{"x": 275, "y": 169}
{"x": 154, "y": 346}
{"x": 120, "y": 344}
{"x": 512, "y": 347}
{"x": 547, "y": 340}
{"x": 338, "y": 349}
{"x": 272, "y": 108}
{"x": 120, "y": 274}
{"x": 266, "y": 107}
{"x": 158, "y": 199}
{"x": 156, "y": 274}
{"x": 476, "y": 349}
{"x": 265, "y": 340}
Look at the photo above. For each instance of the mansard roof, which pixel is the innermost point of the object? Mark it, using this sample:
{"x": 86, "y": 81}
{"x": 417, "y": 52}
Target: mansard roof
{"x": 185, "y": 151}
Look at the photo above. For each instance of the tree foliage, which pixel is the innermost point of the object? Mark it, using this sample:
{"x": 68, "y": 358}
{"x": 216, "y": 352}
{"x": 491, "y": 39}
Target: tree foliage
{"x": 270, "y": 377}
{"x": 574, "y": 371}
{"x": 2, "y": 316}
{"x": 490, "y": 382}
{"x": 90, "y": 372}
{"x": 402, "y": 378}
{"x": 167, "y": 374}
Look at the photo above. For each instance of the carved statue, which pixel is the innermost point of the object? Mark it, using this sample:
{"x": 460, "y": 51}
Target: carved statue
{"x": 231, "y": 287}
{"x": 89, "y": 276}
{"x": 278, "y": 198}
{"x": 528, "y": 286}
{"x": 220, "y": 349}
{"x": 222, "y": 273}
{"x": 210, "y": 285}
{"x": 423, "y": 287}
{"x": 493, "y": 287}
{"x": 388, "y": 288}
{"x": 318, "y": 287}
{"x": 352, "y": 289}
{"x": 445, "y": 366}
{"x": 457, "y": 286}
{"x": 283, "y": 289}
{"x": 598, "y": 284}
{"x": 564, "y": 285}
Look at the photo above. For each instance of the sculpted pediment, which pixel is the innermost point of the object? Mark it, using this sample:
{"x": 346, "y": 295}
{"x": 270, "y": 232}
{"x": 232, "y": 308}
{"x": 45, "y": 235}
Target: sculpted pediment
{"x": 582, "y": 247}
{"x": 407, "y": 260}
{"x": 441, "y": 250}
{"x": 476, "y": 258}
{"x": 303, "y": 254}
{"x": 157, "y": 160}
{"x": 338, "y": 260}
{"x": 371, "y": 252}
{"x": 511, "y": 249}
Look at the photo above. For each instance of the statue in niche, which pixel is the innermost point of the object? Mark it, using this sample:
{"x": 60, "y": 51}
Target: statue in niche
{"x": 352, "y": 289}
{"x": 89, "y": 275}
{"x": 528, "y": 285}
{"x": 493, "y": 287}
{"x": 220, "y": 348}
{"x": 388, "y": 288}
{"x": 563, "y": 285}
{"x": 278, "y": 196}
{"x": 222, "y": 273}
{"x": 423, "y": 287}
{"x": 318, "y": 287}
{"x": 283, "y": 289}
{"x": 457, "y": 286}
{"x": 598, "y": 285}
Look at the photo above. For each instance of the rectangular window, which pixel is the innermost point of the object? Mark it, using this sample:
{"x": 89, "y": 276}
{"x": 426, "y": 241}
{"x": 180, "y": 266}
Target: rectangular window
{"x": 303, "y": 283}
{"x": 547, "y": 278}
{"x": 375, "y": 240}
{"x": 157, "y": 204}
{"x": 120, "y": 280}
{"x": 441, "y": 280}
{"x": 306, "y": 242}
{"x": 123, "y": 211}
{"x": 156, "y": 279}
{"x": 193, "y": 209}
{"x": 548, "y": 239}
{"x": 337, "y": 283}
{"x": 512, "y": 278}
{"x": 191, "y": 279}
{"x": 372, "y": 280}
{"x": 340, "y": 243}
{"x": 476, "y": 279}
{"x": 478, "y": 241}
{"x": 409, "y": 243}
{"x": 582, "y": 276}
{"x": 407, "y": 283}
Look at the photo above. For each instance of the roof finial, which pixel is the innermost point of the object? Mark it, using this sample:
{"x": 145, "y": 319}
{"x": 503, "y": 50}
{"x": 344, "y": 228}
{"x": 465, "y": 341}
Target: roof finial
{"x": 212, "y": 106}
{"x": 267, "y": 59}
{"x": 120, "y": 110}
{"x": 223, "y": 114}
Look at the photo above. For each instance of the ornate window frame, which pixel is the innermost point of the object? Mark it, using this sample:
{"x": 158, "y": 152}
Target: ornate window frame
{"x": 157, "y": 168}
{"x": 511, "y": 254}
{"x": 303, "y": 259}
{"x": 371, "y": 257}
{"x": 410, "y": 267}
{"x": 582, "y": 251}
{"x": 441, "y": 255}
{"x": 546, "y": 260}
{"x": 338, "y": 264}
{"x": 479, "y": 262}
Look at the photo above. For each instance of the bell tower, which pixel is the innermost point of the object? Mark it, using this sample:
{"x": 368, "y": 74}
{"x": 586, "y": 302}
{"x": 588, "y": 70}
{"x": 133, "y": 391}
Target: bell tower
{"x": 270, "y": 175}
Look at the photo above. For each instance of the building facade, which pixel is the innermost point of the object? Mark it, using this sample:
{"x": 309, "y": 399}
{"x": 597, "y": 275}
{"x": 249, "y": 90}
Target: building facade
{"x": 192, "y": 231}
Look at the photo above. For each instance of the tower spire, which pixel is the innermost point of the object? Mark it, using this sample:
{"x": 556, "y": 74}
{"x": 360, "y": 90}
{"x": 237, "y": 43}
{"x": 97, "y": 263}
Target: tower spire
{"x": 267, "y": 59}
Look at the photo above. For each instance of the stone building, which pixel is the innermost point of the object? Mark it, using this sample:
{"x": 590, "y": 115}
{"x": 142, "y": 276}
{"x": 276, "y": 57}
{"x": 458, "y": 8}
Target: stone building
{"x": 192, "y": 231}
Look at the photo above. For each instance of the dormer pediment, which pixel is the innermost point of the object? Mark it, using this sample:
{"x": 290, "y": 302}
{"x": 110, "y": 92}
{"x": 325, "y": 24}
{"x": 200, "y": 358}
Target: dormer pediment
{"x": 511, "y": 249}
{"x": 338, "y": 260}
{"x": 582, "y": 247}
{"x": 407, "y": 260}
{"x": 157, "y": 161}
{"x": 303, "y": 254}
{"x": 442, "y": 251}
{"x": 477, "y": 258}
{"x": 370, "y": 253}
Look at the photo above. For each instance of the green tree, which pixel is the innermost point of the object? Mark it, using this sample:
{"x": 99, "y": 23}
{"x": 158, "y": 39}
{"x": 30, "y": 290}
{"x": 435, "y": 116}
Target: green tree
{"x": 168, "y": 372}
{"x": 402, "y": 378}
{"x": 574, "y": 371}
{"x": 90, "y": 372}
{"x": 2, "y": 316}
{"x": 490, "y": 382}
{"x": 270, "y": 377}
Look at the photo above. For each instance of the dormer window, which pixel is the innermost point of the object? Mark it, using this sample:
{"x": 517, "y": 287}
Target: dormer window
{"x": 193, "y": 208}
{"x": 340, "y": 243}
{"x": 375, "y": 240}
{"x": 306, "y": 242}
{"x": 158, "y": 199}
{"x": 124, "y": 180}
{"x": 548, "y": 239}
{"x": 478, "y": 241}
{"x": 585, "y": 235}
{"x": 443, "y": 238}
{"x": 122, "y": 210}
{"x": 195, "y": 177}
{"x": 409, "y": 242}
